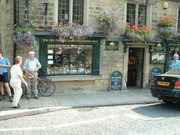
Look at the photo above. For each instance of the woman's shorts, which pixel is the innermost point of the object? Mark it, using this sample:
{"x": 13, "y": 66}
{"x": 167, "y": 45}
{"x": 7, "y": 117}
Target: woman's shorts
{"x": 4, "y": 78}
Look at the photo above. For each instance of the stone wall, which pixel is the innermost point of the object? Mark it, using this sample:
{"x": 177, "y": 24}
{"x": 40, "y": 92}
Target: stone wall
{"x": 6, "y": 25}
{"x": 110, "y": 61}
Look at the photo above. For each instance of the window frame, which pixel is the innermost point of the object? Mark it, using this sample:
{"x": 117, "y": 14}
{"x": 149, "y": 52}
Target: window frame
{"x": 178, "y": 24}
{"x": 95, "y": 52}
{"x": 69, "y": 67}
{"x": 84, "y": 18}
{"x": 68, "y": 10}
{"x": 137, "y": 12}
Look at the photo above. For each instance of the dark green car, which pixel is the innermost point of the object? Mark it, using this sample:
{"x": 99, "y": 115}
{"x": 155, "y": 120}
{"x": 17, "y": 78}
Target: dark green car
{"x": 166, "y": 86}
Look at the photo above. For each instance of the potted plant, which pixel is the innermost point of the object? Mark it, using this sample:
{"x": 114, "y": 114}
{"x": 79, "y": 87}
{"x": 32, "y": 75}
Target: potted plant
{"x": 24, "y": 34}
{"x": 72, "y": 31}
{"x": 167, "y": 27}
{"x": 138, "y": 34}
{"x": 107, "y": 22}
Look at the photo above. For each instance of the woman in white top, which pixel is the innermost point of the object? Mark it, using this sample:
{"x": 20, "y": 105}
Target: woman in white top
{"x": 16, "y": 79}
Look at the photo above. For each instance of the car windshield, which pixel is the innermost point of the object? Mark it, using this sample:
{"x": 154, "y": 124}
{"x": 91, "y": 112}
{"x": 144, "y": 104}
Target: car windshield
{"x": 175, "y": 71}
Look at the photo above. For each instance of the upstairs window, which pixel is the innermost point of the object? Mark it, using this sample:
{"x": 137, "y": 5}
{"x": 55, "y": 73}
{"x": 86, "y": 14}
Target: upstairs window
{"x": 71, "y": 11}
{"x": 142, "y": 15}
{"x": 179, "y": 21}
{"x": 136, "y": 14}
{"x": 63, "y": 11}
{"x": 131, "y": 14}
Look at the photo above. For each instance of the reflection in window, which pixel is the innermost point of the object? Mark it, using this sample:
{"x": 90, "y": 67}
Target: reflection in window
{"x": 179, "y": 21}
{"x": 131, "y": 14}
{"x": 63, "y": 11}
{"x": 78, "y": 11}
{"x": 69, "y": 59}
{"x": 173, "y": 50}
{"x": 142, "y": 15}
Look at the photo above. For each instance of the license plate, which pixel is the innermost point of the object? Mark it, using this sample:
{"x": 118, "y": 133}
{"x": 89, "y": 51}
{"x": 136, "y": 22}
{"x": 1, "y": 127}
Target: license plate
{"x": 161, "y": 83}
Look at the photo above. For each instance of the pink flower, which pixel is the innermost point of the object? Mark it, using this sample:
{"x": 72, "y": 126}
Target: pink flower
{"x": 54, "y": 22}
{"x": 15, "y": 25}
{"x": 36, "y": 24}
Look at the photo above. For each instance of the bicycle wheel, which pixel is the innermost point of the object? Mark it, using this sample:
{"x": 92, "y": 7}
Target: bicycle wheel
{"x": 46, "y": 87}
{"x": 23, "y": 90}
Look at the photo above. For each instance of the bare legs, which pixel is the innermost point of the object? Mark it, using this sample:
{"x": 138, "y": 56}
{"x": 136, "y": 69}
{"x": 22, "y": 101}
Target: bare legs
{"x": 7, "y": 88}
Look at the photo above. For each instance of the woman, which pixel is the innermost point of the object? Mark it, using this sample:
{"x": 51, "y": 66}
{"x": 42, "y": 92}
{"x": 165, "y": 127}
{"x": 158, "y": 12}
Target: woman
{"x": 175, "y": 62}
{"x": 16, "y": 79}
{"x": 4, "y": 65}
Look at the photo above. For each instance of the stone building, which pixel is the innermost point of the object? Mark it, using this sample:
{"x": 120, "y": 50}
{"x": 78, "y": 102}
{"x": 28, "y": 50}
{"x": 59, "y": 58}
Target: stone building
{"x": 98, "y": 63}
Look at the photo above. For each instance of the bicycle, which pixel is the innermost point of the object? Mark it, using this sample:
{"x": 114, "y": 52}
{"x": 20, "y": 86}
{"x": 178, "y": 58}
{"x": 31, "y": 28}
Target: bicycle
{"x": 45, "y": 86}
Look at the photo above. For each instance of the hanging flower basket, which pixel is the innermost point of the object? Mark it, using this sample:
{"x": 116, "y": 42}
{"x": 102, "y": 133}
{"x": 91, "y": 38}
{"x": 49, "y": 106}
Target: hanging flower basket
{"x": 24, "y": 34}
{"x": 138, "y": 34}
{"x": 167, "y": 27}
{"x": 107, "y": 22}
{"x": 72, "y": 31}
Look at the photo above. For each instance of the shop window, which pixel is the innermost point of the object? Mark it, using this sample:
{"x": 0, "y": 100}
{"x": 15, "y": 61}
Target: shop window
{"x": 69, "y": 59}
{"x": 132, "y": 15}
{"x": 179, "y": 21}
{"x": 70, "y": 11}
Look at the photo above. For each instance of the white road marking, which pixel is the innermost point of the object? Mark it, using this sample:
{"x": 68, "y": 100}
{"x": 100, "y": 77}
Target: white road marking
{"x": 133, "y": 116}
{"x": 60, "y": 126}
{"x": 86, "y": 122}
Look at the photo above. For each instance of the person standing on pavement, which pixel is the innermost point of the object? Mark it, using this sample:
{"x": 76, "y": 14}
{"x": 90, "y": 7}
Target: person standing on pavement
{"x": 4, "y": 65}
{"x": 175, "y": 62}
{"x": 16, "y": 79}
{"x": 31, "y": 67}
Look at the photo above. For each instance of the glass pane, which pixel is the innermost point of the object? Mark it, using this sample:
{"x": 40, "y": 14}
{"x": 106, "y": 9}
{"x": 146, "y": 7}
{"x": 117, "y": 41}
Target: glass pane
{"x": 142, "y": 15}
{"x": 69, "y": 59}
{"x": 88, "y": 60}
{"x": 58, "y": 59}
{"x": 130, "y": 14}
{"x": 78, "y": 11}
{"x": 73, "y": 59}
{"x": 173, "y": 50}
{"x": 63, "y": 11}
{"x": 179, "y": 21}
{"x": 65, "y": 59}
{"x": 50, "y": 60}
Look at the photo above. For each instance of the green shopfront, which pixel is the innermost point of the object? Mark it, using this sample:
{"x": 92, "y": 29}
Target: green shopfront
{"x": 71, "y": 64}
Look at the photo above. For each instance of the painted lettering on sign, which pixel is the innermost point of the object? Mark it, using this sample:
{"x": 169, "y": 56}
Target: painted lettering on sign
{"x": 58, "y": 40}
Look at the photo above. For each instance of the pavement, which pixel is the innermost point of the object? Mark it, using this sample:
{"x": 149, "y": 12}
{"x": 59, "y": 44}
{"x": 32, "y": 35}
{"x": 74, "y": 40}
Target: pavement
{"x": 78, "y": 99}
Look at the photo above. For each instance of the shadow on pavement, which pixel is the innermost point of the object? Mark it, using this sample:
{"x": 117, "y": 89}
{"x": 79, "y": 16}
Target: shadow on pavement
{"x": 159, "y": 110}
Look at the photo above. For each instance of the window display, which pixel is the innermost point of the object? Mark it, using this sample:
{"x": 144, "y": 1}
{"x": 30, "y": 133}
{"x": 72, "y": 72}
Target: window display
{"x": 69, "y": 59}
{"x": 157, "y": 58}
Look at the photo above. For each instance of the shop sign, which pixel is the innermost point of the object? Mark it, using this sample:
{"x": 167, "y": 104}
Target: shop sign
{"x": 155, "y": 71}
{"x": 174, "y": 44}
{"x": 157, "y": 48}
{"x": 116, "y": 81}
{"x": 51, "y": 40}
{"x": 112, "y": 46}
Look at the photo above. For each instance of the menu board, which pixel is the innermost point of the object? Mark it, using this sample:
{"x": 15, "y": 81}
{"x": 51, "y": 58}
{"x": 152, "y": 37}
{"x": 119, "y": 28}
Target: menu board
{"x": 116, "y": 81}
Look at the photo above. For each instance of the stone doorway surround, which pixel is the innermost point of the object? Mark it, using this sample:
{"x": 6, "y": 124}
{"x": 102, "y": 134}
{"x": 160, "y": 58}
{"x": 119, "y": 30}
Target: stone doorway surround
{"x": 146, "y": 66}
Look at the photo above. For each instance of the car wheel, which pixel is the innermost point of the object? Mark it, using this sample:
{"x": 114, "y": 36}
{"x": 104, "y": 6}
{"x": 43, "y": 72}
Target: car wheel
{"x": 167, "y": 101}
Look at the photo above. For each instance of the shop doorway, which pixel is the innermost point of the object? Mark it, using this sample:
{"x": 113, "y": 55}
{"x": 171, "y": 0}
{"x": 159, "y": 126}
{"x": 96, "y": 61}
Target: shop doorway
{"x": 135, "y": 67}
